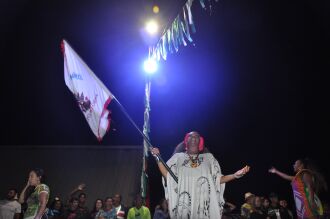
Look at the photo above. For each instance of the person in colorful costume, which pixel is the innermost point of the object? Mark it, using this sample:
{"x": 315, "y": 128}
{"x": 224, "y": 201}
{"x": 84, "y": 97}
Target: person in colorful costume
{"x": 37, "y": 200}
{"x": 305, "y": 185}
{"x": 201, "y": 184}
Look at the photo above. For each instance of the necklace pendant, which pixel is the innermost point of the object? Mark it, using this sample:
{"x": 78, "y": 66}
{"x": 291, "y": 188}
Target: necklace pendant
{"x": 194, "y": 164}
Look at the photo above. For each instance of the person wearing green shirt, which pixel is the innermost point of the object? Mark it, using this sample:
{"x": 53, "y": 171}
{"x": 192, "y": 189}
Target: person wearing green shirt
{"x": 138, "y": 211}
{"x": 36, "y": 201}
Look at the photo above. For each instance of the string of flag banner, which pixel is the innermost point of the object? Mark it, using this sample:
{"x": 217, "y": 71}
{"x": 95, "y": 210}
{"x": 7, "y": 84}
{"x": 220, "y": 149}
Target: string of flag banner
{"x": 178, "y": 33}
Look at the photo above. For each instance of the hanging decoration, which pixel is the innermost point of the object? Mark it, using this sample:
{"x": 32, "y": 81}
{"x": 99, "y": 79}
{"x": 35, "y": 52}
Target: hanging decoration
{"x": 178, "y": 33}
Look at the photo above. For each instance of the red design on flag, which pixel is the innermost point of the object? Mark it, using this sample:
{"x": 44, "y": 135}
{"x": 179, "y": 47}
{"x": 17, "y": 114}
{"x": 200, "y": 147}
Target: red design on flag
{"x": 92, "y": 96}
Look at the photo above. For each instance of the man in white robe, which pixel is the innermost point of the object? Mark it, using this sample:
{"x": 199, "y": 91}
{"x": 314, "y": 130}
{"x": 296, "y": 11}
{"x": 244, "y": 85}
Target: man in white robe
{"x": 200, "y": 187}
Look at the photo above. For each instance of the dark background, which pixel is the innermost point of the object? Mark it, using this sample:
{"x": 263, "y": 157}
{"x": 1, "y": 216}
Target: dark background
{"x": 254, "y": 84}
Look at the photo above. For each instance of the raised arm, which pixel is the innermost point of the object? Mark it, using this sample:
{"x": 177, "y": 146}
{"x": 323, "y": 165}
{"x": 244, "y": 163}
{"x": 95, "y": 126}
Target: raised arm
{"x": 80, "y": 187}
{"x": 238, "y": 174}
{"x": 279, "y": 173}
{"x": 161, "y": 166}
{"x": 22, "y": 195}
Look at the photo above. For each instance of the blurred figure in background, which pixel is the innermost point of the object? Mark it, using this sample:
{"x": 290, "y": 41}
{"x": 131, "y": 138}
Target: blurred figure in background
{"x": 108, "y": 212}
{"x": 98, "y": 205}
{"x": 257, "y": 212}
{"x": 161, "y": 211}
{"x": 265, "y": 205}
{"x": 10, "y": 208}
{"x": 284, "y": 206}
{"x": 247, "y": 207}
{"x": 55, "y": 209}
{"x": 139, "y": 211}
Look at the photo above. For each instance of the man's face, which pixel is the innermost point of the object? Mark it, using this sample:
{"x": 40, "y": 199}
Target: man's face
{"x": 138, "y": 201}
{"x": 164, "y": 205}
{"x": 265, "y": 203}
{"x": 250, "y": 199}
{"x": 74, "y": 205}
{"x": 283, "y": 203}
{"x": 257, "y": 202}
{"x": 193, "y": 142}
{"x": 11, "y": 194}
{"x": 82, "y": 199}
{"x": 274, "y": 200}
{"x": 116, "y": 200}
{"x": 58, "y": 205}
{"x": 109, "y": 203}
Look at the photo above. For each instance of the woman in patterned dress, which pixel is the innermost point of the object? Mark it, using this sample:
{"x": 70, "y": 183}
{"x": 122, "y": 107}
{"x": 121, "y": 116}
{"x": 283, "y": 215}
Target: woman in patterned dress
{"x": 306, "y": 184}
{"x": 37, "y": 200}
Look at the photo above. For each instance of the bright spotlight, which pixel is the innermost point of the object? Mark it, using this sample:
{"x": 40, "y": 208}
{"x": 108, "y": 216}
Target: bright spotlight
{"x": 155, "y": 9}
{"x": 152, "y": 27}
{"x": 150, "y": 66}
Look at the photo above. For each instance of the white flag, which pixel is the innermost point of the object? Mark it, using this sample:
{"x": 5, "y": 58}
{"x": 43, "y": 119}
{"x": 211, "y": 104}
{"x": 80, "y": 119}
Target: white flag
{"x": 91, "y": 94}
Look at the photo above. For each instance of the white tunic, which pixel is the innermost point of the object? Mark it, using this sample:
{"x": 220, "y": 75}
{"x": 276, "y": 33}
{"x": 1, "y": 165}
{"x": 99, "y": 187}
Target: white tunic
{"x": 198, "y": 194}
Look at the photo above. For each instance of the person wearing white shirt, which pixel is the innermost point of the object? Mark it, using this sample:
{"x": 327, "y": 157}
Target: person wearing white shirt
{"x": 10, "y": 208}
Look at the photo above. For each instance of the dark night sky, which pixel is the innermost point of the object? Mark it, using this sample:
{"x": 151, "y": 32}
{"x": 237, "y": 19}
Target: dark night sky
{"x": 253, "y": 85}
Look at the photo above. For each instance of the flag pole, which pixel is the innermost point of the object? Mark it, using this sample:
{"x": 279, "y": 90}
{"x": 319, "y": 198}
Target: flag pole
{"x": 146, "y": 131}
{"x": 146, "y": 139}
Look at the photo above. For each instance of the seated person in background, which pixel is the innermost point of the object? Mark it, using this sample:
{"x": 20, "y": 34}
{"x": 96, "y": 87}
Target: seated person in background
{"x": 55, "y": 209}
{"x": 284, "y": 206}
{"x": 161, "y": 211}
{"x": 247, "y": 207}
{"x": 98, "y": 205}
{"x": 71, "y": 211}
{"x": 108, "y": 212}
{"x": 257, "y": 212}
{"x": 275, "y": 211}
{"x": 10, "y": 207}
{"x": 138, "y": 211}
{"x": 121, "y": 210}
{"x": 82, "y": 208}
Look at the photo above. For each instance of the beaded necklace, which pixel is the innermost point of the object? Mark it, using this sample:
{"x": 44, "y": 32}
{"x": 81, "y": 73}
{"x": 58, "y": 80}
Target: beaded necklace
{"x": 194, "y": 162}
